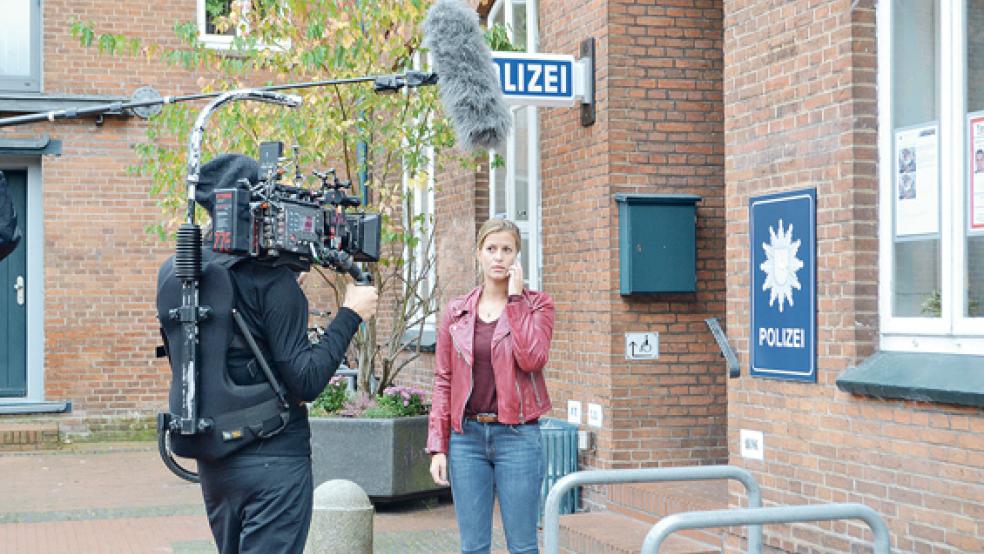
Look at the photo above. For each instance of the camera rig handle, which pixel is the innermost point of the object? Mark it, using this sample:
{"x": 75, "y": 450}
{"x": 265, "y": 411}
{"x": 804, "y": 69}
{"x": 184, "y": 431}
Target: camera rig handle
{"x": 344, "y": 263}
{"x": 188, "y": 261}
{"x": 198, "y": 130}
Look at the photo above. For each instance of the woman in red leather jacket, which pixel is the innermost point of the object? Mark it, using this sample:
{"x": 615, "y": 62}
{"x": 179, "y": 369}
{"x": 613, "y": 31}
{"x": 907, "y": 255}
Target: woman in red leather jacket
{"x": 488, "y": 395}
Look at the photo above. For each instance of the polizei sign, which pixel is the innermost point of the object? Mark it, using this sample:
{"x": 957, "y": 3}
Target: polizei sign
{"x": 783, "y": 295}
{"x": 541, "y": 79}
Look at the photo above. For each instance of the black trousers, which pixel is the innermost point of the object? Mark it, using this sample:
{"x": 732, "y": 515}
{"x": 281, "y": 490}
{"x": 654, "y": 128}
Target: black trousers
{"x": 258, "y": 504}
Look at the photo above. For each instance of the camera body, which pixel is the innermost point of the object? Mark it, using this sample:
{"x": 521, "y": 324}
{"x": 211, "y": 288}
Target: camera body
{"x": 291, "y": 224}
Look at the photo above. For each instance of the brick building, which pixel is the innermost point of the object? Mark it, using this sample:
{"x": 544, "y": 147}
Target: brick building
{"x": 728, "y": 100}
{"x": 86, "y": 331}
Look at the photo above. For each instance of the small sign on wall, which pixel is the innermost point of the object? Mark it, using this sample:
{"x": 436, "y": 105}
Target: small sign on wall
{"x": 574, "y": 412}
{"x": 752, "y": 444}
{"x": 783, "y": 282}
{"x": 594, "y": 415}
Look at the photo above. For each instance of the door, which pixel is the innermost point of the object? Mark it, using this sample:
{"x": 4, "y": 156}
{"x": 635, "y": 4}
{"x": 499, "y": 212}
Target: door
{"x": 13, "y": 299}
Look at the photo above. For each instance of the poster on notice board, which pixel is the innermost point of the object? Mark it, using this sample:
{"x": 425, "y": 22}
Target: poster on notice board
{"x": 975, "y": 217}
{"x": 917, "y": 181}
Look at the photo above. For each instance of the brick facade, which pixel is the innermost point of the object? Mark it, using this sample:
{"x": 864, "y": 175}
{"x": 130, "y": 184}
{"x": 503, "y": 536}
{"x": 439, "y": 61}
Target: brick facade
{"x": 659, "y": 130}
{"x": 800, "y": 106}
{"x": 100, "y": 263}
{"x": 725, "y": 99}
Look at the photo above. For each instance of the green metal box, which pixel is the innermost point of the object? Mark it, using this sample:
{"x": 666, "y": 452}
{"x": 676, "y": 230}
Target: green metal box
{"x": 657, "y": 242}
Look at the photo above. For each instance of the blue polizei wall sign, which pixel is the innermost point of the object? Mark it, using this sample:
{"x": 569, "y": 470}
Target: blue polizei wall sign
{"x": 783, "y": 266}
{"x": 540, "y": 79}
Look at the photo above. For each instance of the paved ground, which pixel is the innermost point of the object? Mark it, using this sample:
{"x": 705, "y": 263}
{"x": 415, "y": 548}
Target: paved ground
{"x": 119, "y": 498}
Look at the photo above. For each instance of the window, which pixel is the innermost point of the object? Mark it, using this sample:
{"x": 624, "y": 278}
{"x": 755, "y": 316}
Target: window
{"x": 515, "y": 169}
{"x": 931, "y": 125}
{"x": 422, "y": 264}
{"x": 210, "y": 11}
{"x": 20, "y": 47}
{"x": 419, "y": 217}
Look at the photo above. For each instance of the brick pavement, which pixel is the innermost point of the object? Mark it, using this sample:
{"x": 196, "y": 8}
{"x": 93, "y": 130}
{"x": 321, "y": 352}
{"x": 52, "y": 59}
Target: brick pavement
{"x": 119, "y": 498}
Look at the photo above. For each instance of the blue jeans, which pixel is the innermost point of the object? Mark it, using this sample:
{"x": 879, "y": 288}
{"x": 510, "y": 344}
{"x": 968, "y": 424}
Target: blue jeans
{"x": 490, "y": 459}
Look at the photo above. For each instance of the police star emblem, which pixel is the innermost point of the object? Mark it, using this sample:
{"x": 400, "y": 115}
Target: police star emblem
{"x": 780, "y": 266}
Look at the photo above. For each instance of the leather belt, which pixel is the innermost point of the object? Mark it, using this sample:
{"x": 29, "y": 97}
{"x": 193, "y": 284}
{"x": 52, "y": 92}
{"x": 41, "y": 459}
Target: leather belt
{"x": 484, "y": 418}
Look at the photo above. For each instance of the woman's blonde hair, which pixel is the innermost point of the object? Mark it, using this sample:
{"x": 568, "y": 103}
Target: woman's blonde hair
{"x": 497, "y": 225}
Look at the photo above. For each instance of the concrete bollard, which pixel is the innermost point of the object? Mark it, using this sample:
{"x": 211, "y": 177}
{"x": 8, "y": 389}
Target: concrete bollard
{"x": 342, "y": 520}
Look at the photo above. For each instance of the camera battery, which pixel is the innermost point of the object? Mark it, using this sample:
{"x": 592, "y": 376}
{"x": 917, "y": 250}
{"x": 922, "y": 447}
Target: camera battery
{"x": 231, "y": 223}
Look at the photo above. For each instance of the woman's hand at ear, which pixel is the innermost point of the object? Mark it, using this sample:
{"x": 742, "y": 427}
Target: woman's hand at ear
{"x": 515, "y": 278}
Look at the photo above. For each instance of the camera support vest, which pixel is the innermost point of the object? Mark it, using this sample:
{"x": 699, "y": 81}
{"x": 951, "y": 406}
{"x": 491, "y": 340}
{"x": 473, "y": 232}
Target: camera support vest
{"x": 235, "y": 415}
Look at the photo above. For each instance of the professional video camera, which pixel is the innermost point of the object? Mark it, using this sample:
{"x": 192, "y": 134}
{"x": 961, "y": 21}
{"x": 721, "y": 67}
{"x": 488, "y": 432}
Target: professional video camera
{"x": 291, "y": 224}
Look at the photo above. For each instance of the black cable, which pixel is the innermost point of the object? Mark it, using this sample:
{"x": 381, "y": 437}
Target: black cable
{"x": 164, "y": 447}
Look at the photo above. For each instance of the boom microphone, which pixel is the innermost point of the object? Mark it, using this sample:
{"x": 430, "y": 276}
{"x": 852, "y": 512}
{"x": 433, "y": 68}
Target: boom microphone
{"x": 466, "y": 75}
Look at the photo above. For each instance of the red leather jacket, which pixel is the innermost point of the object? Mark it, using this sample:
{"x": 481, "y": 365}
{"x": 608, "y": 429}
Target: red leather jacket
{"x": 520, "y": 347}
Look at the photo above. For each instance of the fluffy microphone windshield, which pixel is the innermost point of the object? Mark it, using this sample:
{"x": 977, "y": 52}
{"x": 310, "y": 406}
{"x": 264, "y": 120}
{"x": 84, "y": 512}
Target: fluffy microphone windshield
{"x": 466, "y": 75}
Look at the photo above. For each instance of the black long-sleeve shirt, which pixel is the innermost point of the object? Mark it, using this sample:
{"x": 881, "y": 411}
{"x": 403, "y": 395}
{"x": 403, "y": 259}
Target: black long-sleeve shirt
{"x": 276, "y": 313}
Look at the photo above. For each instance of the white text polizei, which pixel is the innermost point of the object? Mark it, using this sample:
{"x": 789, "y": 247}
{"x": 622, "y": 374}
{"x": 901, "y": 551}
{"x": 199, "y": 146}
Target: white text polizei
{"x": 781, "y": 337}
{"x": 536, "y": 78}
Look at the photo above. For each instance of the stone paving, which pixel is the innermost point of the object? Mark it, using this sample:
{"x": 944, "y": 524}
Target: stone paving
{"x": 119, "y": 498}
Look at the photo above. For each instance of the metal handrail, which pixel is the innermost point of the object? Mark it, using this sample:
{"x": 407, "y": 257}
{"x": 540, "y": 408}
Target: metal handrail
{"x": 551, "y": 512}
{"x": 760, "y": 516}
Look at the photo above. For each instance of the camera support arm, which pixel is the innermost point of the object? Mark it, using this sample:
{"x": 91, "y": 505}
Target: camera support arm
{"x": 188, "y": 260}
{"x": 198, "y": 130}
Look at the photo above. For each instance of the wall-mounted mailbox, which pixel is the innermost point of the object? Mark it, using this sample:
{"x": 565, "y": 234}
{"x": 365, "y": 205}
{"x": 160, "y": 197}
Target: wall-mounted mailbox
{"x": 657, "y": 242}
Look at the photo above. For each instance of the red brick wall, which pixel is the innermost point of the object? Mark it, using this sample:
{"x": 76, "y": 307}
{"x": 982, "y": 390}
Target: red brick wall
{"x": 666, "y": 120}
{"x": 576, "y": 213}
{"x": 800, "y": 103}
{"x": 100, "y": 264}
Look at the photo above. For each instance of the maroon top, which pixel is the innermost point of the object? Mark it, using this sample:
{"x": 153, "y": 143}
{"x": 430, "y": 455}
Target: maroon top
{"x": 482, "y": 399}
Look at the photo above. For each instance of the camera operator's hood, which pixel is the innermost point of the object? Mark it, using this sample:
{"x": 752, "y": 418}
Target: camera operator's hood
{"x": 224, "y": 172}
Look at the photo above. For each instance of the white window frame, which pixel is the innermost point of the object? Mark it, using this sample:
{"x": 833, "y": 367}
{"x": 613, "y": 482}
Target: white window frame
{"x": 212, "y": 40}
{"x": 29, "y": 82}
{"x": 952, "y": 332}
{"x": 531, "y": 228}
{"x": 224, "y": 42}
{"x": 430, "y": 322}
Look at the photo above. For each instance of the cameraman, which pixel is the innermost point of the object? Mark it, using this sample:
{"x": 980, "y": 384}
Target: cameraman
{"x": 10, "y": 235}
{"x": 259, "y": 499}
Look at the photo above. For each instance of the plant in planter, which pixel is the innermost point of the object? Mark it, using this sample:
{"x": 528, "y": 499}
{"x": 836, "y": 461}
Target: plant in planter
{"x": 374, "y": 441}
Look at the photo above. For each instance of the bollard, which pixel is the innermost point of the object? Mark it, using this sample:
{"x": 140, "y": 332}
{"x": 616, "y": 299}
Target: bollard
{"x": 342, "y": 520}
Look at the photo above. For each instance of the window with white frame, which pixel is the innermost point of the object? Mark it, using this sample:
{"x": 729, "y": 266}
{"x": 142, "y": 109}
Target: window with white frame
{"x": 514, "y": 181}
{"x": 20, "y": 47}
{"x": 421, "y": 263}
{"x": 931, "y": 151}
{"x": 418, "y": 188}
{"x": 210, "y": 12}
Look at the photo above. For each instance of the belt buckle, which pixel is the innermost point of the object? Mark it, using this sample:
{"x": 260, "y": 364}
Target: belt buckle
{"x": 486, "y": 418}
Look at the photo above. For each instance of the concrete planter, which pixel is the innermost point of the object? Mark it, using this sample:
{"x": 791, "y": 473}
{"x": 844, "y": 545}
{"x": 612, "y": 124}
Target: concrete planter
{"x": 383, "y": 456}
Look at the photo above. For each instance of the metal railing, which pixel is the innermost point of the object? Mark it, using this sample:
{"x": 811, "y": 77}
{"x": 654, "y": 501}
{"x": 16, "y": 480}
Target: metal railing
{"x": 760, "y": 516}
{"x": 551, "y": 514}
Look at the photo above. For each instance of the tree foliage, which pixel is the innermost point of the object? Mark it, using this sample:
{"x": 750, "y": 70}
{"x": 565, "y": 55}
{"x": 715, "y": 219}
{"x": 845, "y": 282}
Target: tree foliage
{"x": 277, "y": 42}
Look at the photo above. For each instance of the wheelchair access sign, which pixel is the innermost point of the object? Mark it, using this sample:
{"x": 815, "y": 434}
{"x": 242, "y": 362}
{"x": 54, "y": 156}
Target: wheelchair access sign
{"x": 783, "y": 279}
